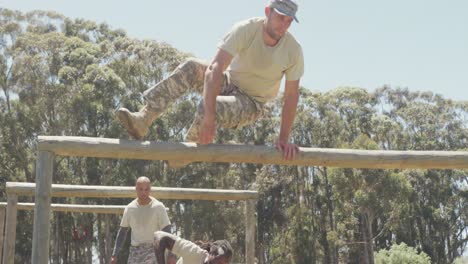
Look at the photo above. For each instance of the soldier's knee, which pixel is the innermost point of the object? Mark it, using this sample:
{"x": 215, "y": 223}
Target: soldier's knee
{"x": 194, "y": 63}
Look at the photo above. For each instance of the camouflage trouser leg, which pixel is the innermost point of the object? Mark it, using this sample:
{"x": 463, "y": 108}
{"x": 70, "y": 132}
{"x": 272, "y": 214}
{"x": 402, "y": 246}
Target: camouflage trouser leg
{"x": 234, "y": 109}
{"x": 143, "y": 254}
{"x": 187, "y": 76}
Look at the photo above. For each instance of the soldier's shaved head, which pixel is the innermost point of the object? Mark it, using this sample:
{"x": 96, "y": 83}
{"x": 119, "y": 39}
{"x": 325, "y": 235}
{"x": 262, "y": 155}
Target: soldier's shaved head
{"x": 143, "y": 179}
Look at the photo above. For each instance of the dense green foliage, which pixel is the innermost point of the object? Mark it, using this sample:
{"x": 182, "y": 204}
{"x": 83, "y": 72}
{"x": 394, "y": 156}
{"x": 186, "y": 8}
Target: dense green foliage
{"x": 401, "y": 254}
{"x": 66, "y": 77}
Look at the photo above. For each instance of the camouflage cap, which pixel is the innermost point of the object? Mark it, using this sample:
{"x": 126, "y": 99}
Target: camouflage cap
{"x": 285, "y": 7}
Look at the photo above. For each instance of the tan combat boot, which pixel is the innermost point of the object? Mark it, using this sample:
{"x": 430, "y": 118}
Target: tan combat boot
{"x": 136, "y": 123}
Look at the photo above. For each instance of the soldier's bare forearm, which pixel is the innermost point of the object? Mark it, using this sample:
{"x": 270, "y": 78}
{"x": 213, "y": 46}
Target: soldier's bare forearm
{"x": 163, "y": 241}
{"x": 213, "y": 80}
{"x": 171, "y": 258}
{"x": 159, "y": 252}
{"x": 287, "y": 116}
{"x": 120, "y": 240}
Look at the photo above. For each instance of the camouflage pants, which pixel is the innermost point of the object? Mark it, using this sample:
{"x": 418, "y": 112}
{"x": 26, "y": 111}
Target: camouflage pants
{"x": 142, "y": 254}
{"x": 234, "y": 109}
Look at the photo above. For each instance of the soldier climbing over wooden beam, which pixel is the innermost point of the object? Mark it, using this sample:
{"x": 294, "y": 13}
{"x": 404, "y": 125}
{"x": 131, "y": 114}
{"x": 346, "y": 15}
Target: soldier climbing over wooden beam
{"x": 244, "y": 75}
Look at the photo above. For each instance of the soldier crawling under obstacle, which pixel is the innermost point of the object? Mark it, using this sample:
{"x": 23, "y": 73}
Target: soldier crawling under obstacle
{"x": 218, "y": 252}
{"x": 244, "y": 75}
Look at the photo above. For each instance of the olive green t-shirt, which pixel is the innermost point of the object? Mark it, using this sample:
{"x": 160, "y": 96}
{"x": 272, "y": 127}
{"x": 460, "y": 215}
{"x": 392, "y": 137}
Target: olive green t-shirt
{"x": 257, "y": 69}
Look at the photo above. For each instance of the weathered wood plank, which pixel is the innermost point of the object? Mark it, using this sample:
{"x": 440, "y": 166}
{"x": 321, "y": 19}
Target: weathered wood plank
{"x": 63, "y": 190}
{"x": 191, "y": 152}
{"x": 73, "y": 208}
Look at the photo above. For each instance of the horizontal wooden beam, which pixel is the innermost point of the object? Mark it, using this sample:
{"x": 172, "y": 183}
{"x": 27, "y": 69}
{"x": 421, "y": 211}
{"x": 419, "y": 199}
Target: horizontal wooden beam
{"x": 93, "y": 191}
{"x": 184, "y": 153}
{"x": 75, "y": 208}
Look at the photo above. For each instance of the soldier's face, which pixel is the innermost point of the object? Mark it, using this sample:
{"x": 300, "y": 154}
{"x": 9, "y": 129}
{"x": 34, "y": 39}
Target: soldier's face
{"x": 143, "y": 190}
{"x": 277, "y": 25}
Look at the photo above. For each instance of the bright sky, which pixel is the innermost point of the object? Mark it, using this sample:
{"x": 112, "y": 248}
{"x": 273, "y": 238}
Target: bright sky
{"x": 418, "y": 44}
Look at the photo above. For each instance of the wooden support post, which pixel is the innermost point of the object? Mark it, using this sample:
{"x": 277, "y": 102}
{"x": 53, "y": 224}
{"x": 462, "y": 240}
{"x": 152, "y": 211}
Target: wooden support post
{"x": 250, "y": 231}
{"x": 41, "y": 231}
{"x": 10, "y": 229}
{"x": 2, "y": 228}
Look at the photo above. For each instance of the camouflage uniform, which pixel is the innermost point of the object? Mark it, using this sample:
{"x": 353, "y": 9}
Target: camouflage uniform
{"x": 234, "y": 109}
{"x": 142, "y": 254}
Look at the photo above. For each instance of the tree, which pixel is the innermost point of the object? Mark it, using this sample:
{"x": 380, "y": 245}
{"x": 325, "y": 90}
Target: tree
{"x": 401, "y": 254}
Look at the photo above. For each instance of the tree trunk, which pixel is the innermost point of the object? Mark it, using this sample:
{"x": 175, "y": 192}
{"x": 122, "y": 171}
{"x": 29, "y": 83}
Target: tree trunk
{"x": 57, "y": 241}
{"x": 101, "y": 246}
{"x": 323, "y": 231}
{"x": 89, "y": 248}
{"x": 364, "y": 254}
{"x": 370, "y": 235}
{"x": 7, "y": 98}
{"x": 260, "y": 253}
{"x": 108, "y": 239}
